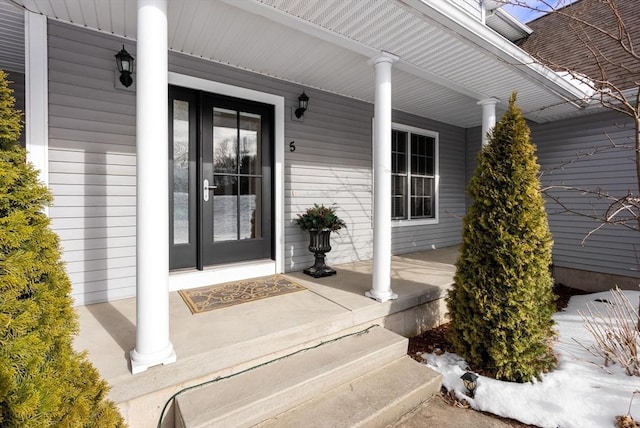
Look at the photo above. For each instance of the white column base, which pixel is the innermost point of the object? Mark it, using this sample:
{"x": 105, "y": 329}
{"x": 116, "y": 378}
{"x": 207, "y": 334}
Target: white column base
{"x": 141, "y": 362}
{"x": 381, "y": 297}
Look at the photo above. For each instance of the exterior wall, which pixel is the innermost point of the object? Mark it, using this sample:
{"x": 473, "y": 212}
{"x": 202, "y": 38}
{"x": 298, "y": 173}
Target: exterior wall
{"x": 448, "y": 231}
{"x": 612, "y": 250}
{"x": 92, "y": 164}
{"x": 610, "y": 256}
{"x": 331, "y": 162}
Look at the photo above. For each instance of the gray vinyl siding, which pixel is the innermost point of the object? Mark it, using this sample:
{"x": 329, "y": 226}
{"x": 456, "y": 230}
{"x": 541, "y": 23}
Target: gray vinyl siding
{"x": 447, "y": 232}
{"x": 92, "y": 163}
{"x": 11, "y": 37}
{"x": 613, "y": 249}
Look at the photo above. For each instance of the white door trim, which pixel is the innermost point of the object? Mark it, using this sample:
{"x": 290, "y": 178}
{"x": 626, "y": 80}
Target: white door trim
{"x": 190, "y": 279}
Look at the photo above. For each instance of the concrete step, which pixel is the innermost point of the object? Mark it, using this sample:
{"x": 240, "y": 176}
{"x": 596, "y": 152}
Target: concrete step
{"x": 377, "y": 399}
{"x": 270, "y": 389}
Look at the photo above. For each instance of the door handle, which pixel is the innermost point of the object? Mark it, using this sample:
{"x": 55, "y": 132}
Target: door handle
{"x": 206, "y": 188}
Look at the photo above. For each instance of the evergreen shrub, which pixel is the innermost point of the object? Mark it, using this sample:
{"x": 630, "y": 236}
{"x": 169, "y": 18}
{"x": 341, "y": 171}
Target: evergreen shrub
{"x": 501, "y": 304}
{"x": 44, "y": 382}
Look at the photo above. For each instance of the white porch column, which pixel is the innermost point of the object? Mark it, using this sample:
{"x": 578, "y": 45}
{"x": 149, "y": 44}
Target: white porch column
{"x": 153, "y": 346}
{"x": 381, "y": 287}
{"x": 488, "y": 117}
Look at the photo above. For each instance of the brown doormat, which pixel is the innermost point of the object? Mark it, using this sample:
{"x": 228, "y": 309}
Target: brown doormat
{"x": 212, "y": 297}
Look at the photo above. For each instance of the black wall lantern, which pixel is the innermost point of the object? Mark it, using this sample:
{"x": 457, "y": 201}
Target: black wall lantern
{"x": 125, "y": 67}
{"x": 470, "y": 381}
{"x": 303, "y": 102}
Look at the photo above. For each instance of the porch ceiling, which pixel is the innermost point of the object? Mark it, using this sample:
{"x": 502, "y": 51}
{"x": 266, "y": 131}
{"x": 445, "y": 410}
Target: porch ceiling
{"x": 448, "y": 60}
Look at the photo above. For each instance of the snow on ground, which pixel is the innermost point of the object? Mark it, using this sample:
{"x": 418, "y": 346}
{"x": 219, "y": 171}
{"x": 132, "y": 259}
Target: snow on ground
{"x": 578, "y": 393}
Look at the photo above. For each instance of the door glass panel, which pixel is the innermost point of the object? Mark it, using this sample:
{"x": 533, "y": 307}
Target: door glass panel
{"x": 250, "y": 157}
{"x": 225, "y": 141}
{"x": 225, "y": 208}
{"x": 180, "y": 172}
{"x": 250, "y": 208}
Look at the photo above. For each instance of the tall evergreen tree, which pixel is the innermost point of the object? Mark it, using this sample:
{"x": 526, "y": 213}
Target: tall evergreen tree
{"x": 43, "y": 381}
{"x": 501, "y": 304}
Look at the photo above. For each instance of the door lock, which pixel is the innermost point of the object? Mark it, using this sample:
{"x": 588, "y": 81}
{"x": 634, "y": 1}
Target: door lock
{"x": 206, "y": 188}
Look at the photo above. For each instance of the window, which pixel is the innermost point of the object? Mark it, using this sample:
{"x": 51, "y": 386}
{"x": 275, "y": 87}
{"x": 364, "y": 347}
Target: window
{"x": 414, "y": 174}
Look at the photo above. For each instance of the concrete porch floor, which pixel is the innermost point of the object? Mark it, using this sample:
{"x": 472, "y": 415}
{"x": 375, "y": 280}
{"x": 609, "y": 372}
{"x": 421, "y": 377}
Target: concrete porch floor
{"x": 225, "y": 341}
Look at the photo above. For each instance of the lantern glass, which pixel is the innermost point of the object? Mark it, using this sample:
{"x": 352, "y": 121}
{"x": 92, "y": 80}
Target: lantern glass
{"x": 303, "y": 101}
{"x": 124, "y": 61}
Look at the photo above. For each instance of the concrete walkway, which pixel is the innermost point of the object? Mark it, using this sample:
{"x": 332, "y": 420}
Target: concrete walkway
{"x": 437, "y": 413}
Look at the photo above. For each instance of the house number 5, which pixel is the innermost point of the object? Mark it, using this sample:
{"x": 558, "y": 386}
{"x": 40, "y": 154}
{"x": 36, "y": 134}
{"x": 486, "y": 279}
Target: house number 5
{"x": 292, "y": 146}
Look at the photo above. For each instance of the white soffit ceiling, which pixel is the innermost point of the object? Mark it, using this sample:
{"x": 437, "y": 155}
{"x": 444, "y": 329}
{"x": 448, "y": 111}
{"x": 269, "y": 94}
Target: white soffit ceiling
{"x": 327, "y": 44}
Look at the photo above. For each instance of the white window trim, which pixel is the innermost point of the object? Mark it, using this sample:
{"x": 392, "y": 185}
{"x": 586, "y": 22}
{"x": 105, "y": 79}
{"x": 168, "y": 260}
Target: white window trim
{"x": 436, "y": 137}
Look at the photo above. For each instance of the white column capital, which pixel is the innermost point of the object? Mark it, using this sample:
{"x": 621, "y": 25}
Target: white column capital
{"x": 492, "y": 101}
{"x": 384, "y": 57}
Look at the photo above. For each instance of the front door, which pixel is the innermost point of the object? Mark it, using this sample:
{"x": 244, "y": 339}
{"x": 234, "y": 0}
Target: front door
{"x": 220, "y": 179}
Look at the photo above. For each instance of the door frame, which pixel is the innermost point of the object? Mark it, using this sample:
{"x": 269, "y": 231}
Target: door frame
{"x": 236, "y": 271}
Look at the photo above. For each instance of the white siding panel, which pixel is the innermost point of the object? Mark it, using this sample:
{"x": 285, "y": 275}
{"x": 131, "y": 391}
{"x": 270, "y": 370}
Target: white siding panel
{"x": 612, "y": 250}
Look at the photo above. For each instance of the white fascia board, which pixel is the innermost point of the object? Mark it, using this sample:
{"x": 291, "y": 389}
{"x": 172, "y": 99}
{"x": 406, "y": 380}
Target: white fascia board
{"x": 513, "y": 21}
{"x": 258, "y": 8}
{"x": 36, "y": 93}
{"x": 485, "y": 39}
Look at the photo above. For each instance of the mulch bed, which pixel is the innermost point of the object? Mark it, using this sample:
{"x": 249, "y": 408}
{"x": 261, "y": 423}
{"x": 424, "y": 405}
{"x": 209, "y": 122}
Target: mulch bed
{"x": 435, "y": 341}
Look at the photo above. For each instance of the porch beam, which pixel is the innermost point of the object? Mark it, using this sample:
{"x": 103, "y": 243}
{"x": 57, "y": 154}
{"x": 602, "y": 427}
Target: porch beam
{"x": 281, "y": 17}
{"x": 488, "y": 117}
{"x": 381, "y": 287}
{"x": 153, "y": 346}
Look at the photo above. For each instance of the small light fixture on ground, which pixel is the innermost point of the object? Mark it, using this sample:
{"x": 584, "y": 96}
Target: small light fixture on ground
{"x": 470, "y": 381}
{"x": 303, "y": 103}
{"x": 124, "y": 60}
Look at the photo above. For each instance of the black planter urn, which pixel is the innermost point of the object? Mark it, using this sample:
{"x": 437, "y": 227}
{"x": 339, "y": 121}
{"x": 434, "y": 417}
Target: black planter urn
{"x": 319, "y": 245}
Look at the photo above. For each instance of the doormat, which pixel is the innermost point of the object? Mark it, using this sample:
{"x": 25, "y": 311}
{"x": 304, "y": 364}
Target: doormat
{"x": 219, "y": 296}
